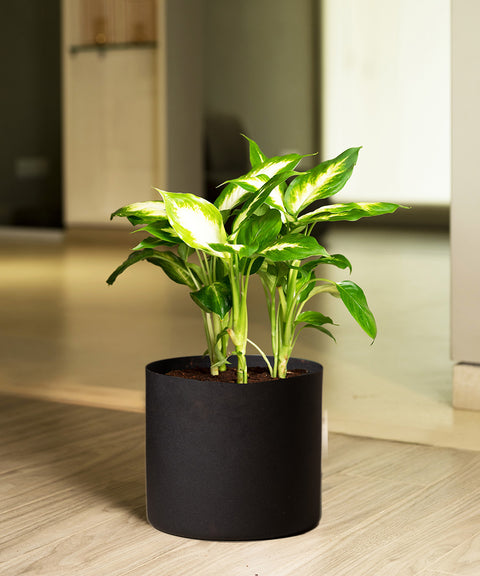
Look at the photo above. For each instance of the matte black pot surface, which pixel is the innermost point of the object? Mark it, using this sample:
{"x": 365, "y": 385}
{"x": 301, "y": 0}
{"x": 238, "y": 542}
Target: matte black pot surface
{"x": 233, "y": 461}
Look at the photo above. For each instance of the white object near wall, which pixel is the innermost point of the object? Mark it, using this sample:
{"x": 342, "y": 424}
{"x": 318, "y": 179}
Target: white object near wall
{"x": 386, "y": 87}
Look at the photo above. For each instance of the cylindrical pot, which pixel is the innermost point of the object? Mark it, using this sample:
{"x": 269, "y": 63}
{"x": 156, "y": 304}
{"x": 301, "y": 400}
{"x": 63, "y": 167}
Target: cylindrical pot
{"x": 233, "y": 461}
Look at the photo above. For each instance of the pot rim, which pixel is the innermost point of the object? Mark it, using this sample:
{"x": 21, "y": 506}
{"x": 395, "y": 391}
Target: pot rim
{"x": 160, "y": 367}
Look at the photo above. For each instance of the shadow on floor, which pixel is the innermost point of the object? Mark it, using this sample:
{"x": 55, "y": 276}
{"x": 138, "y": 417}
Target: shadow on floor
{"x": 79, "y": 450}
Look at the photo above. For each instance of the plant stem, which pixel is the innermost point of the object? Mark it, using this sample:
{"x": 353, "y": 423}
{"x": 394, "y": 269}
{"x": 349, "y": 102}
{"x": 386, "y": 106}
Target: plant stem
{"x": 239, "y": 316}
{"x": 287, "y": 319}
{"x": 210, "y": 337}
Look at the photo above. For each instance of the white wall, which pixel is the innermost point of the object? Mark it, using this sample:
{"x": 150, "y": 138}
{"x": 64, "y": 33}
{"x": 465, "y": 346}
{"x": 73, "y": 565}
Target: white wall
{"x": 465, "y": 230}
{"x": 386, "y": 87}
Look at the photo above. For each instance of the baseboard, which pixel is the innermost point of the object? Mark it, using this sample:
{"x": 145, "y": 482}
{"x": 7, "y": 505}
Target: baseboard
{"x": 466, "y": 386}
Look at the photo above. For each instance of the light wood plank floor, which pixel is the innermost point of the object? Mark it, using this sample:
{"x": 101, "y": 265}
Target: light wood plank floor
{"x": 72, "y": 503}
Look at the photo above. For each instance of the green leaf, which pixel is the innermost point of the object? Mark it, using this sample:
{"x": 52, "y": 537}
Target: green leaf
{"x": 305, "y": 289}
{"x": 185, "y": 251}
{"x": 351, "y": 212}
{"x": 313, "y": 318}
{"x": 150, "y": 243}
{"x": 321, "y": 329}
{"x": 268, "y": 275}
{"x": 196, "y": 221}
{"x": 257, "y": 157}
{"x": 260, "y": 231}
{"x": 356, "y": 303}
{"x": 143, "y": 211}
{"x": 233, "y": 194}
{"x": 323, "y": 181}
{"x": 215, "y": 297}
{"x": 316, "y": 320}
{"x": 338, "y": 260}
{"x": 132, "y": 259}
{"x": 173, "y": 267}
{"x": 161, "y": 229}
{"x": 165, "y": 237}
{"x": 257, "y": 264}
{"x": 294, "y": 247}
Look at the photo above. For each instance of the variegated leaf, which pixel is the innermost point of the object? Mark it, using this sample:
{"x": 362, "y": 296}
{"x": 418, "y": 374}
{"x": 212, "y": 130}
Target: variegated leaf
{"x": 294, "y": 247}
{"x": 256, "y": 201}
{"x": 196, "y": 221}
{"x": 161, "y": 230}
{"x": 233, "y": 194}
{"x": 350, "y": 212}
{"x": 323, "y": 181}
{"x": 140, "y": 212}
{"x": 239, "y": 249}
{"x": 275, "y": 200}
{"x": 257, "y": 157}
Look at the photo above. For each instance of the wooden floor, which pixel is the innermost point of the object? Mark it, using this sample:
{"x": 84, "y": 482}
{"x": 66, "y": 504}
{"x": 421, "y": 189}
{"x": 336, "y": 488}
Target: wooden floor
{"x": 72, "y": 503}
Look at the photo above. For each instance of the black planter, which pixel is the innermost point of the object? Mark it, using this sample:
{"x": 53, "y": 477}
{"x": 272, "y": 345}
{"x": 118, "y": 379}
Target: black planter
{"x": 233, "y": 461}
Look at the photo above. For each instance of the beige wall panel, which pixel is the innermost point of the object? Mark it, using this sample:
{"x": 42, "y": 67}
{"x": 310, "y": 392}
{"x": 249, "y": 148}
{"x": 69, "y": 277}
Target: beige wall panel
{"x": 465, "y": 228}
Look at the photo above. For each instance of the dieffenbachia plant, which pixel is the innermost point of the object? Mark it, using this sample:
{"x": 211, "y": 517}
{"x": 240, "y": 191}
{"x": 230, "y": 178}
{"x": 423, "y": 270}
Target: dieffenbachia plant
{"x": 259, "y": 224}
{"x": 183, "y": 225}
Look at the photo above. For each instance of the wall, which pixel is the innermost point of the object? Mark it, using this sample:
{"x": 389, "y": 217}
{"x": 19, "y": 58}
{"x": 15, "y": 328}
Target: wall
{"x": 386, "y": 87}
{"x": 109, "y": 132}
{"x": 132, "y": 118}
{"x": 182, "y": 118}
{"x": 259, "y": 68}
{"x": 465, "y": 231}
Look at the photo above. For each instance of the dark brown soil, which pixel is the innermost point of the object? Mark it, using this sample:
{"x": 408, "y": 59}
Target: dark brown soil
{"x": 255, "y": 374}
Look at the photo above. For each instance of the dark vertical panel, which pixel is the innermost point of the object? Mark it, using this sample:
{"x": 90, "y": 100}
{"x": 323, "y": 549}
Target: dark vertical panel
{"x": 316, "y": 76}
{"x": 30, "y": 114}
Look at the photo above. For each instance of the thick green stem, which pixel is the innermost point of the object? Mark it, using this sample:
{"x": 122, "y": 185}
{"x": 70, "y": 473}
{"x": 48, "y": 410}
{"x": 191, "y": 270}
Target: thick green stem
{"x": 239, "y": 316}
{"x": 274, "y": 332}
{"x": 242, "y": 373}
{"x": 221, "y": 343}
{"x": 210, "y": 337}
{"x": 286, "y": 321}
{"x": 282, "y": 365}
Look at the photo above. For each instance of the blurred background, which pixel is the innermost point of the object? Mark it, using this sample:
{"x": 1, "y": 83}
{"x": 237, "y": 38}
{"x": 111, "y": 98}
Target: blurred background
{"x": 104, "y": 99}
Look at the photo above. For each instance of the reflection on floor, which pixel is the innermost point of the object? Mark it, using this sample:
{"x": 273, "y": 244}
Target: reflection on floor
{"x": 67, "y": 335}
